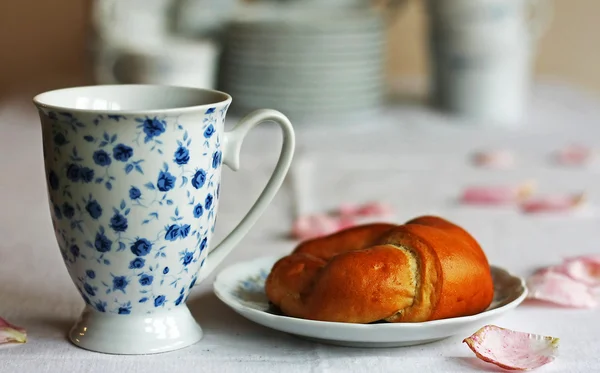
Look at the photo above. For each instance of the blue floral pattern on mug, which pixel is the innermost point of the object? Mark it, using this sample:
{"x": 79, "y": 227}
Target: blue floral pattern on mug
{"x": 133, "y": 202}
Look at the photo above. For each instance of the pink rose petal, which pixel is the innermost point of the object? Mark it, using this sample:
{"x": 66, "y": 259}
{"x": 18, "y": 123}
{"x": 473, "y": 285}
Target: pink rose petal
{"x": 11, "y": 334}
{"x": 556, "y": 203}
{"x": 584, "y": 269}
{"x": 495, "y": 159}
{"x": 369, "y": 209}
{"x": 512, "y": 350}
{"x": 496, "y": 195}
{"x": 346, "y": 216}
{"x": 344, "y": 222}
{"x": 592, "y": 258}
{"x": 554, "y": 287}
{"x": 586, "y": 272}
{"x": 347, "y": 209}
{"x": 574, "y": 155}
{"x": 313, "y": 226}
{"x": 375, "y": 209}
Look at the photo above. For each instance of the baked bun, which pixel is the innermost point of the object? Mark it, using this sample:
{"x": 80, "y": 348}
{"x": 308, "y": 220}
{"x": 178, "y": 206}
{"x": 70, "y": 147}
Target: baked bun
{"x": 426, "y": 269}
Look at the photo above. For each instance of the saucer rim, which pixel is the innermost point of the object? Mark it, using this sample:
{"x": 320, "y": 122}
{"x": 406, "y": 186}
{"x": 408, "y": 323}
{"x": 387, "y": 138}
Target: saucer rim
{"x": 231, "y": 302}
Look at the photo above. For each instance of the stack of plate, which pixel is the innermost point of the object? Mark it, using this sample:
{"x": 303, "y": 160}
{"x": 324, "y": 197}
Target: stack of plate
{"x": 306, "y": 63}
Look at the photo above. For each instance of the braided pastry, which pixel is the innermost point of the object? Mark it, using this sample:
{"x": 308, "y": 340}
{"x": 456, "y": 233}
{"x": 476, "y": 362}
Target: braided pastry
{"x": 425, "y": 269}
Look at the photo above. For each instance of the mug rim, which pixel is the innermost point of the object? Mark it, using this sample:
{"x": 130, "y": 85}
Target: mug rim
{"x": 38, "y": 100}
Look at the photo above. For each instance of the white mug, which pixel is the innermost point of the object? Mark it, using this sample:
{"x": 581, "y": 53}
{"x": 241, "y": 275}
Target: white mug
{"x": 482, "y": 55}
{"x": 131, "y": 21}
{"x": 134, "y": 181}
{"x": 169, "y": 61}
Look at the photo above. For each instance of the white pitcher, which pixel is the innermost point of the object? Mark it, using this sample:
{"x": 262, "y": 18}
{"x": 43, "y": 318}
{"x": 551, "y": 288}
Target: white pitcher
{"x": 482, "y": 52}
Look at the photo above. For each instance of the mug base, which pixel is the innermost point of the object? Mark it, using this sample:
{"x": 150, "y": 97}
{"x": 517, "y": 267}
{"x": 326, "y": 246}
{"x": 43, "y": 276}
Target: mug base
{"x": 158, "y": 332}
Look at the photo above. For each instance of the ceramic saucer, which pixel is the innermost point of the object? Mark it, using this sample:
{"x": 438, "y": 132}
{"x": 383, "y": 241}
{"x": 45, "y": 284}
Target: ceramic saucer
{"x": 241, "y": 287}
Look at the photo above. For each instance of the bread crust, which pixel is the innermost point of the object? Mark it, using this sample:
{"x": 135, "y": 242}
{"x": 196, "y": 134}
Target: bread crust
{"x": 455, "y": 280}
{"x": 426, "y": 269}
{"x": 354, "y": 238}
{"x": 441, "y": 223}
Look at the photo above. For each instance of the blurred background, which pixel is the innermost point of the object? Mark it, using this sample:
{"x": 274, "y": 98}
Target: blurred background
{"x": 331, "y": 54}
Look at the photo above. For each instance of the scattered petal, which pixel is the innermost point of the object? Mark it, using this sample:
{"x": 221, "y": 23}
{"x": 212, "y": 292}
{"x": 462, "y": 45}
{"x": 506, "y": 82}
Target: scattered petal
{"x": 313, "y": 226}
{"x": 497, "y": 195}
{"x": 510, "y": 349}
{"x": 574, "y": 155}
{"x": 593, "y": 258}
{"x": 554, "y": 287}
{"x": 584, "y": 269}
{"x": 370, "y": 209}
{"x": 586, "y": 272}
{"x": 11, "y": 334}
{"x": 344, "y": 222}
{"x": 345, "y": 216}
{"x": 498, "y": 159}
{"x": 375, "y": 209}
{"x": 557, "y": 203}
{"x": 347, "y": 209}
{"x": 302, "y": 228}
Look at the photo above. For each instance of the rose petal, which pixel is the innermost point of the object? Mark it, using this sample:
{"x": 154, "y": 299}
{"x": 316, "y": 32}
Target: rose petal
{"x": 586, "y": 272}
{"x": 574, "y": 155}
{"x": 346, "y": 216}
{"x": 375, "y": 209}
{"x": 556, "y": 203}
{"x": 312, "y": 226}
{"x": 301, "y": 227}
{"x": 347, "y": 209}
{"x": 11, "y": 334}
{"x": 510, "y": 349}
{"x": 496, "y": 195}
{"x": 594, "y": 258}
{"x": 558, "y": 288}
{"x": 370, "y": 209}
{"x": 344, "y": 222}
{"x": 495, "y": 159}
{"x": 584, "y": 269}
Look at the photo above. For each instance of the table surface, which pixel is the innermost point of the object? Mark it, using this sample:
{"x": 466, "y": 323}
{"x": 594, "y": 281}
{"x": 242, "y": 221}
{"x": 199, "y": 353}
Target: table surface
{"x": 406, "y": 155}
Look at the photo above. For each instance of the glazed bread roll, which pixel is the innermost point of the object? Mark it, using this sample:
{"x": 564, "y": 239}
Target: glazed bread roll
{"x": 426, "y": 269}
{"x": 437, "y": 222}
{"x": 355, "y": 238}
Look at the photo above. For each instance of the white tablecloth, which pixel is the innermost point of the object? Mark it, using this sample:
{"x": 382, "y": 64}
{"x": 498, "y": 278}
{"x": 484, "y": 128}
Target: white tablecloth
{"x": 416, "y": 160}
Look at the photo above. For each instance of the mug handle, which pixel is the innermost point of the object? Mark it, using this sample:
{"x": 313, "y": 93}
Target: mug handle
{"x": 233, "y": 145}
